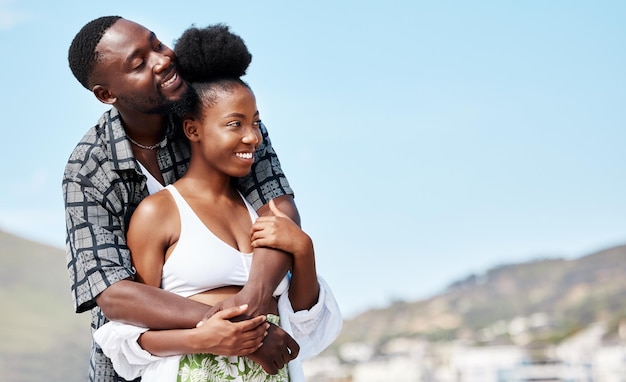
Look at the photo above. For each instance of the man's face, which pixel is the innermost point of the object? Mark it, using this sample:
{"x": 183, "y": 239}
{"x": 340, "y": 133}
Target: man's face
{"x": 137, "y": 69}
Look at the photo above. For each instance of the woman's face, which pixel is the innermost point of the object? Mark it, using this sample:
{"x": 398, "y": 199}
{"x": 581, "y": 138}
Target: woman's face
{"x": 229, "y": 131}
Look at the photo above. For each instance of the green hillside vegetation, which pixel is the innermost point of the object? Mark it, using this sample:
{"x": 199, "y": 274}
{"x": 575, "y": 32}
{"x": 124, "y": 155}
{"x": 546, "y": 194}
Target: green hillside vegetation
{"x": 552, "y": 298}
{"x": 41, "y": 338}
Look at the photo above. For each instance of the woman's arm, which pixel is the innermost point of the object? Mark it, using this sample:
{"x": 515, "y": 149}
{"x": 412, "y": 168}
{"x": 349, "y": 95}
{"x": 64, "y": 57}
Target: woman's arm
{"x": 280, "y": 231}
{"x": 269, "y": 267}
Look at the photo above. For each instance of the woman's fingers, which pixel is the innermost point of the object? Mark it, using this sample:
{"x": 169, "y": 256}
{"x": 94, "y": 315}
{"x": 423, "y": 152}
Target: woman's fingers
{"x": 277, "y": 211}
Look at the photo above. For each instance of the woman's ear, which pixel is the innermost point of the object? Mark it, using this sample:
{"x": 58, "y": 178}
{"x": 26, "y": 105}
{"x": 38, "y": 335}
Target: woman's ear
{"x": 104, "y": 95}
{"x": 190, "y": 127}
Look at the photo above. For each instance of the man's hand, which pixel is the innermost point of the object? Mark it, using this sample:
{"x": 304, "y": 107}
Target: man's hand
{"x": 277, "y": 350}
{"x": 278, "y": 346}
{"x": 268, "y": 268}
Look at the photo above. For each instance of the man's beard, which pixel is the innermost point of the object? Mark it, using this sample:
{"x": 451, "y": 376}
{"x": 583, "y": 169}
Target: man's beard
{"x": 160, "y": 105}
{"x": 183, "y": 106}
{"x": 156, "y": 104}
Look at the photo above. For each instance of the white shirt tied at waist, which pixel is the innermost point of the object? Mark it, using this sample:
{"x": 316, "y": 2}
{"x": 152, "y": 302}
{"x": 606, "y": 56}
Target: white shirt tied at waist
{"x": 313, "y": 329}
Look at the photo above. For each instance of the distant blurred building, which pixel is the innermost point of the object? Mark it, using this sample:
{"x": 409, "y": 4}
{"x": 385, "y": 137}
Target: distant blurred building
{"x": 588, "y": 356}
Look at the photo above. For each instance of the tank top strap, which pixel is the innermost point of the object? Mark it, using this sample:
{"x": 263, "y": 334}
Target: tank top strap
{"x": 251, "y": 211}
{"x": 153, "y": 185}
{"x": 183, "y": 207}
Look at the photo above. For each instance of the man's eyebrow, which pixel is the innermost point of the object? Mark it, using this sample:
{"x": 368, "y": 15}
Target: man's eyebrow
{"x": 137, "y": 51}
{"x": 131, "y": 56}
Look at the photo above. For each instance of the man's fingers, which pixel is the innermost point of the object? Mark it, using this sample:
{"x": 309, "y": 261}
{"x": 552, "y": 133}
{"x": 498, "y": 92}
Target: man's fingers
{"x": 252, "y": 324}
{"x": 209, "y": 314}
{"x": 232, "y": 312}
{"x": 250, "y": 346}
{"x": 224, "y": 314}
{"x": 293, "y": 348}
{"x": 273, "y": 369}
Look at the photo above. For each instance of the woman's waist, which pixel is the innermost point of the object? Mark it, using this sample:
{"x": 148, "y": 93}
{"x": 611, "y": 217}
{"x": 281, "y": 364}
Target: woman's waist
{"x": 213, "y": 297}
{"x": 217, "y": 295}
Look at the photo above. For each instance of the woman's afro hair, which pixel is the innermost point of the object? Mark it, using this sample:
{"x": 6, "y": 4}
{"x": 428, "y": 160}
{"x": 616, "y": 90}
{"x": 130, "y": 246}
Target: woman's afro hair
{"x": 210, "y": 53}
{"x": 82, "y": 53}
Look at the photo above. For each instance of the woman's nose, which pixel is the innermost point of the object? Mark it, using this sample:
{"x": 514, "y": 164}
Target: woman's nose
{"x": 253, "y": 137}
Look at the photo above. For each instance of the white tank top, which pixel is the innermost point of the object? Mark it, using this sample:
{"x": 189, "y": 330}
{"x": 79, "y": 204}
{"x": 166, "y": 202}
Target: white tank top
{"x": 151, "y": 182}
{"x": 201, "y": 260}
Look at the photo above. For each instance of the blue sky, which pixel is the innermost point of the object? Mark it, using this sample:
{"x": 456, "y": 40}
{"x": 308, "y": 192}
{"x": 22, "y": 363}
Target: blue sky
{"x": 425, "y": 140}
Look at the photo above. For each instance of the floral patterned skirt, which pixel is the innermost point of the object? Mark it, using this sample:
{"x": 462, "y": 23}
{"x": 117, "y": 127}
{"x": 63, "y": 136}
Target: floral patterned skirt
{"x": 217, "y": 368}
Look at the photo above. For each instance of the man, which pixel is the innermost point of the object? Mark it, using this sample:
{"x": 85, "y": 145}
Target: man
{"x": 126, "y": 66}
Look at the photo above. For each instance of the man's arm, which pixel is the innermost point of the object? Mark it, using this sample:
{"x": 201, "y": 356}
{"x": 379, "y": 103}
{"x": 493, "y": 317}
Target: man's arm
{"x": 280, "y": 231}
{"x": 217, "y": 335}
{"x": 99, "y": 261}
{"x": 309, "y": 306}
{"x": 269, "y": 266}
{"x": 142, "y": 305}
{"x": 265, "y": 182}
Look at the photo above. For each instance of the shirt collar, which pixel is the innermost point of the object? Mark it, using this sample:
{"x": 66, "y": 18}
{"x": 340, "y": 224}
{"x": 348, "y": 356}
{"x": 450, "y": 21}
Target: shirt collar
{"x": 118, "y": 146}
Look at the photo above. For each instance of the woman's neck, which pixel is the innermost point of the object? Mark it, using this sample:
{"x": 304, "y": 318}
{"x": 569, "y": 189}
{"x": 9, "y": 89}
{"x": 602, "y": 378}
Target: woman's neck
{"x": 207, "y": 181}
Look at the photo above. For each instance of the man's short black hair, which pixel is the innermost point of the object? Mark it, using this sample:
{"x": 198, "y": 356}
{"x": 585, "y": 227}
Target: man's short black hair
{"x": 82, "y": 53}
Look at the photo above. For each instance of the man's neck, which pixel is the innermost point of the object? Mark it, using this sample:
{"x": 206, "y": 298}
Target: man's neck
{"x": 146, "y": 128}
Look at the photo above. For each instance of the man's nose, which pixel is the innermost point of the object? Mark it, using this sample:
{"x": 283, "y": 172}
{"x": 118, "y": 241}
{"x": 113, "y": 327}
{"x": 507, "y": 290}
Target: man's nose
{"x": 163, "y": 61}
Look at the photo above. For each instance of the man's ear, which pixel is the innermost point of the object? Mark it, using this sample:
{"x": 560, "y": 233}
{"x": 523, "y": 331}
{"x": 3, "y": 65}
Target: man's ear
{"x": 190, "y": 127}
{"x": 104, "y": 95}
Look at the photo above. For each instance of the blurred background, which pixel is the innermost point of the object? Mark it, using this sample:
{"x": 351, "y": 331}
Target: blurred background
{"x": 427, "y": 142}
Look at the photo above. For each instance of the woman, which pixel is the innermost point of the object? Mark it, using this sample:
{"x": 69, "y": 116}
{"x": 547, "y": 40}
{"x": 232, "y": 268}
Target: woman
{"x": 196, "y": 238}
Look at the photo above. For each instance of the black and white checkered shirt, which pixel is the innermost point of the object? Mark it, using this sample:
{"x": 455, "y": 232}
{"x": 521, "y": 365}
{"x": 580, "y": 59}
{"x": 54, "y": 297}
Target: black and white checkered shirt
{"x": 102, "y": 186}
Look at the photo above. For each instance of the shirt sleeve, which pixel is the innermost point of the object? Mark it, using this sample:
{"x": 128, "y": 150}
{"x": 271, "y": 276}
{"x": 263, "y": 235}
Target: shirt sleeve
{"x": 267, "y": 180}
{"x": 97, "y": 255}
{"x": 316, "y": 328}
{"x": 119, "y": 342}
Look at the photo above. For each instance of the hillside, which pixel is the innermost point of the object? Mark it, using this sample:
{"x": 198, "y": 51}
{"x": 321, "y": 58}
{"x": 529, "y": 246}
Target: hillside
{"x": 549, "y": 299}
{"x": 41, "y": 338}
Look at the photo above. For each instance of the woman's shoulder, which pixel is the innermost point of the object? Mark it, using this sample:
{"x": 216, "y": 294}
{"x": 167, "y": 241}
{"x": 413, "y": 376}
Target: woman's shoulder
{"x": 155, "y": 207}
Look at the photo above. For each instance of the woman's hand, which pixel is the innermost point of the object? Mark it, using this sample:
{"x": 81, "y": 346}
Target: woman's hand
{"x": 219, "y": 335}
{"x": 215, "y": 335}
{"x": 280, "y": 232}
